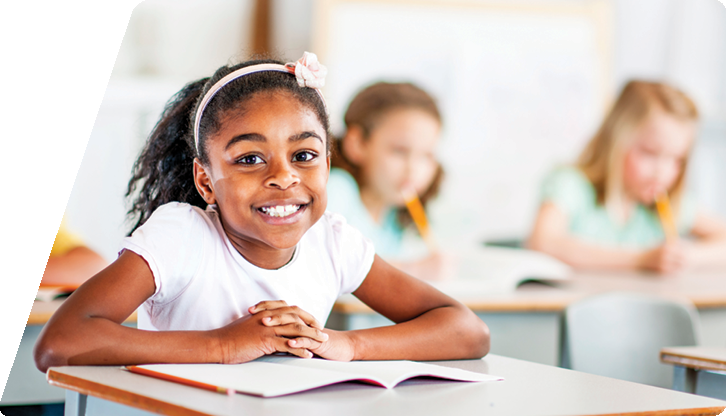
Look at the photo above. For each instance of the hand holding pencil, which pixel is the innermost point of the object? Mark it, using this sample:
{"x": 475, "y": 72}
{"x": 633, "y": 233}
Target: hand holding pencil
{"x": 418, "y": 214}
{"x": 665, "y": 213}
{"x": 437, "y": 265}
{"x": 671, "y": 255}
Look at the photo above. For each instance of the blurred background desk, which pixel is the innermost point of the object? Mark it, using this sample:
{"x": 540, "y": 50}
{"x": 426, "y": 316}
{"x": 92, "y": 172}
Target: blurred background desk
{"x": 526, "y": 323}
{"x": 698, "y": 370}
{"x": 26, "y": 384}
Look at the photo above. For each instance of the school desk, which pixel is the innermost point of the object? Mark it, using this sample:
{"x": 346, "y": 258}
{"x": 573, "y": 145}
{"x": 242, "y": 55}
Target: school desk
{"x": 26, "y": 385}
{"x": 527, "y": 323}
{"x": 529, "y": 389}
{"x": 524, "y": 324}
{"x": 699, "y": 370}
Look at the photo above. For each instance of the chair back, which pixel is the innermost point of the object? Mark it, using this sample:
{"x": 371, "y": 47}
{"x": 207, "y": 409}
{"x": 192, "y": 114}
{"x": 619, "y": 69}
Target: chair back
{"x": 620, "y": 335}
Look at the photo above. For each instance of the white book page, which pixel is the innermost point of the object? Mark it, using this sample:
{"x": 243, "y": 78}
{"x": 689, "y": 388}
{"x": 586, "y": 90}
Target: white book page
{"x": 279, "y": 375}
{"x": 385, "y": 373}
{"x": 257, "y": 378}
{"x": 500, "y": 270}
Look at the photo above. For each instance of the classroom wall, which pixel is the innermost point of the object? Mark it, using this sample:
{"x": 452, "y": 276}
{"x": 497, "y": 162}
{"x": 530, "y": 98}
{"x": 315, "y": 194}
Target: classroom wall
{"x": 679, "y": 41}
{"x": 170, "y": 42}
{"x": 167, "y": 44}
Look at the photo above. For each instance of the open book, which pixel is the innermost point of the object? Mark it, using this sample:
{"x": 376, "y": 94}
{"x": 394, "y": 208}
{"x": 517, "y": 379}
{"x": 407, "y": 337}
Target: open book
{"x": 272, "y": 376}
{"x": 501, "y": 270}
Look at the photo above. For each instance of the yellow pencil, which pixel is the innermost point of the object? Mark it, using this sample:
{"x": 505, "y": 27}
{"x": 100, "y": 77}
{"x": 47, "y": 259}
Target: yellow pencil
{"x": 665, "y": 214}
{"x": 416, "y": 209}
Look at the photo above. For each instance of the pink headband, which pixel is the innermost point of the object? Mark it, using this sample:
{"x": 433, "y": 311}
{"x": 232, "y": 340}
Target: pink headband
{"x": 307, "y": 70}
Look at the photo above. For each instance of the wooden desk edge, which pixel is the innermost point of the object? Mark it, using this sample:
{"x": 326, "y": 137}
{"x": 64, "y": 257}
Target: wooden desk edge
{"x": 138, "y": 401}
{"x": 116, "y": 395}
{"x": 506, "y": 307}
{"x": 41, "y": 318}
{"x": 708, "y": 304}
{"x": 670, "y": 357}
{"x": 702, "y": 411}
{"x": 494, "y": 307}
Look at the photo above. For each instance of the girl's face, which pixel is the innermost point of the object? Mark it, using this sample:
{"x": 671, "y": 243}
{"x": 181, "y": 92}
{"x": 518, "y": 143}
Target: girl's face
{"x": 400, "y": 151}
{"x": 657, "y": 156}
{"x": 267, "y": 172}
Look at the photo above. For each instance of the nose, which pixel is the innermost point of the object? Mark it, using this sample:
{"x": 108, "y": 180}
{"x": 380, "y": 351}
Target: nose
{"x": 418, "y": 167}
{"x": 409, "y": 166}
{"x": 666, "y": 171}
{"x": 282, "y": 176}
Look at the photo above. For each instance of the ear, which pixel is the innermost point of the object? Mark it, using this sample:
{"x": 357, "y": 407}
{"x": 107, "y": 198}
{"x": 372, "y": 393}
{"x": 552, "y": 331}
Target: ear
{"x": 354, "y": 146}
{"x": 203, "y": 182}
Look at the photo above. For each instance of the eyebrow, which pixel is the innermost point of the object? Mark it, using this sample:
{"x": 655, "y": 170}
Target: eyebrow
{"x": 305, "y": 135}
{"x": 256, "y": 137}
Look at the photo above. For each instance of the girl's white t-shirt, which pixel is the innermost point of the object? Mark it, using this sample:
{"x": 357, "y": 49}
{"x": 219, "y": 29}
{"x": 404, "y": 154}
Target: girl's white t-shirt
{"x": 203, "y": 282}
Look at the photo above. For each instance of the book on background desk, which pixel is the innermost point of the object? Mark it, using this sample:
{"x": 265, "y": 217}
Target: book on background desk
{"x": 48, "y": 293}
{"x": 502, "y": 270}
{"x": 273, "y": 376}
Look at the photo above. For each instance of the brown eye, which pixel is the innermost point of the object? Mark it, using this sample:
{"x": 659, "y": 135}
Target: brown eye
{"x": 304, "y": 156}
{"x": 250, "y": 160}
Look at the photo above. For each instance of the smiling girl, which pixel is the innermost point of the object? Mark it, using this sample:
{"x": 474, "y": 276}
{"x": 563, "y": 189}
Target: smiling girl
{"x": 231, "y": 232}
{"x": 601, "y": 213}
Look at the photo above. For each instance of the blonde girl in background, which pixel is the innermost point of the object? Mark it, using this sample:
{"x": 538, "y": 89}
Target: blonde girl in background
{"x": 392, "y": 130}
{"x": 601, "y": 213}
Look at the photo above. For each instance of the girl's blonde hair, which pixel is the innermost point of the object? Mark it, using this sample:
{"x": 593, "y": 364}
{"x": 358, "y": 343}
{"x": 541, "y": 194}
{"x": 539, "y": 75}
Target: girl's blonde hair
{"x": 602, "y": 160}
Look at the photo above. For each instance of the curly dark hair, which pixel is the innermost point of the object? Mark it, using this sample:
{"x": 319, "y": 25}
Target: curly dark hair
{"x": 163, "y": 171}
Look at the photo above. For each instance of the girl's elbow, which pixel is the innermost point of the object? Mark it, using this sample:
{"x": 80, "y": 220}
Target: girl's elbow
{"x": 482, "y": 340}
{"x": 477, "y": 339}
{"x": 553, "y": 247}
{"x": 47, "y": 353}
{"x": 541, "y": 244}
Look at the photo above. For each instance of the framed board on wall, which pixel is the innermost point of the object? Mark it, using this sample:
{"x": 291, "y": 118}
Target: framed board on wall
{"x": 521, "y": 87}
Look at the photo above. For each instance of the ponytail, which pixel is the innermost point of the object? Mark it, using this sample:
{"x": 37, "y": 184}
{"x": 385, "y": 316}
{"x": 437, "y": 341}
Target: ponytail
{"x": 163, "y": 171}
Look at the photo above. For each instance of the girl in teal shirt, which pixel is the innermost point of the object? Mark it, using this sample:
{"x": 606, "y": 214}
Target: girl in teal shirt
{"x": 600, "y": 213}
{"x": 392, "y": 130}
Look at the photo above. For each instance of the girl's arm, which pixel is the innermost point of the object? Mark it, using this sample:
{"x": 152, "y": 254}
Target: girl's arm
{"x": 710, "y": 247}
{"x": 87, "y": 330}
{"x": 550, "y": 235}
{"x": 429, "y": 324}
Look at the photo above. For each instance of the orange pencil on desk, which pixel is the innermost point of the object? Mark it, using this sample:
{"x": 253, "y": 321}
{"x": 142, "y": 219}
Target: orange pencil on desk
{"x": 418, "y": 214}
{"x": 663, "y": 205}
{"x": 180, "y": 380}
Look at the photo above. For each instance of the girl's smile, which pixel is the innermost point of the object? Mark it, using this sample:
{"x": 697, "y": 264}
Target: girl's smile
{"x": 279, "y": 213}
{"x": 267, "y": 172}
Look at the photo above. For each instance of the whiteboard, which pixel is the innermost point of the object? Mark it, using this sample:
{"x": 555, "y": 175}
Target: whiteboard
{"x": 521, "y": 88}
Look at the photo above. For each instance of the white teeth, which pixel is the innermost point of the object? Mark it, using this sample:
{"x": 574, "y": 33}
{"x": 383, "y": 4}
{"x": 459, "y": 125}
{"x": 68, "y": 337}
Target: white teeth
{"x": 280, "y": 210}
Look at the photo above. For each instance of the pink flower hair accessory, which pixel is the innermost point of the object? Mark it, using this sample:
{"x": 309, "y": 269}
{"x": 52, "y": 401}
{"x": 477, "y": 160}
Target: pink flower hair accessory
{"x": 308, "y": 71}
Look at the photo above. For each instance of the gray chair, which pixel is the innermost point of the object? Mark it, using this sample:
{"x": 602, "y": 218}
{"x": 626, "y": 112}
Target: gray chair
{"x": 620, "y": 335}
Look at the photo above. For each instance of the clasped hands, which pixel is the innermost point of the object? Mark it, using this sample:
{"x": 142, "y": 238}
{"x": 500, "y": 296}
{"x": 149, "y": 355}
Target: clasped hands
{"x": 273, "y": 326}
